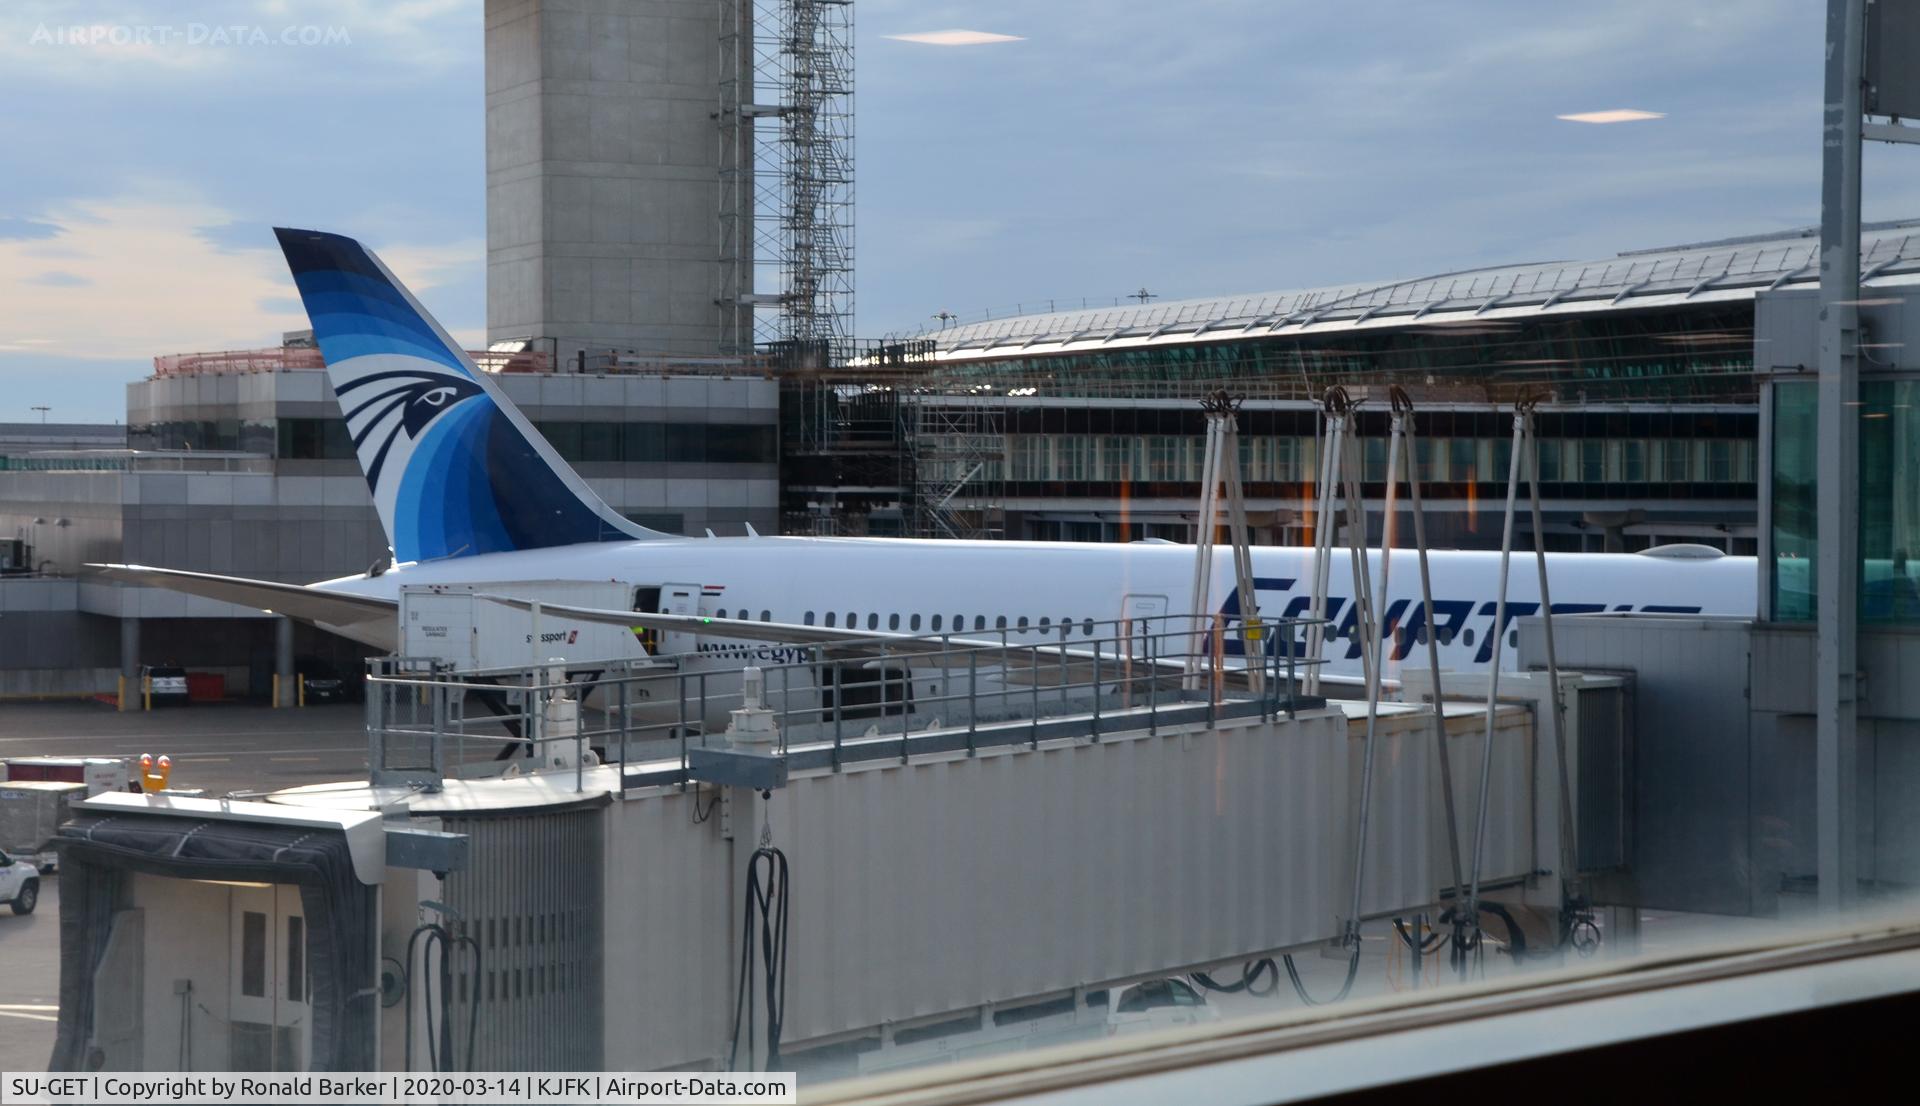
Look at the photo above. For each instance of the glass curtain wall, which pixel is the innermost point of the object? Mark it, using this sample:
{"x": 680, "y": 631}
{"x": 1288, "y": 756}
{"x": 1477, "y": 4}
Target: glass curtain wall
{"x": 1889, "y": 581}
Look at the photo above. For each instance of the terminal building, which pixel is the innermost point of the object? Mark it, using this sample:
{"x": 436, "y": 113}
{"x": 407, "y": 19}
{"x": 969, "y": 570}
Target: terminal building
{"x": 238, "y": 463}
{"x": 1085, "y": 424}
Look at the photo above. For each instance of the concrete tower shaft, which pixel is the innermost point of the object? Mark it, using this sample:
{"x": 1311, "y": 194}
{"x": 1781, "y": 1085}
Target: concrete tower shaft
{"x": 602, "y": 151}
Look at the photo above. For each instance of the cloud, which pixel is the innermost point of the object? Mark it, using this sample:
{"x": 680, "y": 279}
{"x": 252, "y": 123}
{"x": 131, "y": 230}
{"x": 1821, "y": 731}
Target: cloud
{"x": 954, "y": 38}
{"x": 230, "y": 237}
{"x": 1612, "y": 115}
{"x": 15, "y": 230}
{"x": 944, "y": 235}
{"x": 156, "y": 284}
{"x": 420, "y": 267}
{"x": 450, "y": 280}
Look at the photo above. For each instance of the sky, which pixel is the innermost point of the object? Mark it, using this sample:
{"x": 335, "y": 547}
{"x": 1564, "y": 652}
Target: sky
{"x": 1087, "y": 149}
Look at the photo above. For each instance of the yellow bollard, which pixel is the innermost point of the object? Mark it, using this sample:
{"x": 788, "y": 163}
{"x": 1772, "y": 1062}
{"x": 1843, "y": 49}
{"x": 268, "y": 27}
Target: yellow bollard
{"x": 300, "y": 687}
{"x": 120, "y": 693}
{"x": 276, "y": 691}
{"x": 146, "y": 693}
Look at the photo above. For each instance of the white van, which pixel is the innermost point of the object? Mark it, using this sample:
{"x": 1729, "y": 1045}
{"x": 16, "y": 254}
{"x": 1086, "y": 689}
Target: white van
{"x": 1138, "y": 1008}
{"x": 1158, "y": 1004}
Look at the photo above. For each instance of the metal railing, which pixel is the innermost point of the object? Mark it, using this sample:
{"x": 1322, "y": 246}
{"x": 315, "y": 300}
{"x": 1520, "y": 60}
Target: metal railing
{"x": 837, "y": 703}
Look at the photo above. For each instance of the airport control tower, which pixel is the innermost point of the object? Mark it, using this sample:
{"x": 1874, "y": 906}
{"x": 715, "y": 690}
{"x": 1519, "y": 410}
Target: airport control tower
{"x": 668, "y": 178}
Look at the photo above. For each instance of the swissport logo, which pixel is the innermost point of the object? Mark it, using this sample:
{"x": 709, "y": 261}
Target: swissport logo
{"x": 557, "y": 637}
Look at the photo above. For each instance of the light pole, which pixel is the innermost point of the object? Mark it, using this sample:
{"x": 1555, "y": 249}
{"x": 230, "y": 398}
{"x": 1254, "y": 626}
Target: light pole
{"x": 1837, "y": 479}
{"x": 43, "y": 412}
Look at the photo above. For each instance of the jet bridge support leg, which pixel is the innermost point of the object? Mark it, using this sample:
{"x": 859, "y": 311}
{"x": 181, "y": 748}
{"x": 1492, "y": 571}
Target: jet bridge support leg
{"x": 284, "y": 686}
{"x": 129, "y": 663}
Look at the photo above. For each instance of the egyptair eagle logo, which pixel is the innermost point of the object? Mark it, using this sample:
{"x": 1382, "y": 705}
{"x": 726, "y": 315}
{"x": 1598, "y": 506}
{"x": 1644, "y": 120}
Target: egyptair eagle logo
{"x": 382, "y": 406}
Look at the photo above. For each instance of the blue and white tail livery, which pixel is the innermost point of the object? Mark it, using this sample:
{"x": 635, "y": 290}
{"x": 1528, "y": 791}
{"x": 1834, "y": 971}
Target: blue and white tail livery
{"x": 455, "y": 470}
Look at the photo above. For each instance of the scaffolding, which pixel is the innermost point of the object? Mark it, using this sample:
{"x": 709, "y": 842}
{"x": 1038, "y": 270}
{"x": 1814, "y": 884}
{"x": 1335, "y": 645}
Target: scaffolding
{"x": 786, "y": 169}
{"x": 843, "y": 468}
{"x": 957, "y": 449}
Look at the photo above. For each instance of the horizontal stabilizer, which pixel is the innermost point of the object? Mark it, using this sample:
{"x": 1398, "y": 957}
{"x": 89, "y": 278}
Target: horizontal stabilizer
{"x": 307, "y": 604}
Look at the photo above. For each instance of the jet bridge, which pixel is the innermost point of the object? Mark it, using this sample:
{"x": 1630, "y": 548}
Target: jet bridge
{"x": 1002, "y": 849}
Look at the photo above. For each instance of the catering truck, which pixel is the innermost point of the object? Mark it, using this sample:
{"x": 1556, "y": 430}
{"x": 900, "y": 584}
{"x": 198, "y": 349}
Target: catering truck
{"x": 456, "y": 624}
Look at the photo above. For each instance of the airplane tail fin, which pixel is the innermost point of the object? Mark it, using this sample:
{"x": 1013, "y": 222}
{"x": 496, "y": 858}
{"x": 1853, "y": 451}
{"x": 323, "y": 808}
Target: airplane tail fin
{"x": 455, "y": 469}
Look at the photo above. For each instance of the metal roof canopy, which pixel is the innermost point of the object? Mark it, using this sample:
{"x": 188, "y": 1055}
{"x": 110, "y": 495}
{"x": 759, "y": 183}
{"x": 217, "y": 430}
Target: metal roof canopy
{"x": 1730, "y": 268}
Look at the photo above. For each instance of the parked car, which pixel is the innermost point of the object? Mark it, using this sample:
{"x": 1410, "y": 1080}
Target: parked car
{"x": 1158, "y": 1004}
{"x": 19, "y": 884}
{"x": 169, "y": 683}
{"x": 1062, "y": 1019}
{"x": 323, "y": 682}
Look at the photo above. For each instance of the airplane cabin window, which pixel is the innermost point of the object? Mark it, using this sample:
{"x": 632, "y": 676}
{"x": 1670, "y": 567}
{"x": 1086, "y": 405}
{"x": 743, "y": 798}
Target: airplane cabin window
{"x": 1000, "y": 623}
{"x": 1022, "y": 623}
{"x": 829, "y": 618}
{"x": 893, "y": 621}
{"x": 873, "y": 621}
{"x": 809, "y": 619}
{"x": 936, "y": 623}
{"x": 913, "y": 623}
{"x": 1087, "y": 627}
{"x": 766, "y": 616}
{"x": 980, "y": 622}
{"x": 853, "y": 620}
{"x": 1046, "y": 623}
{"x": 1513, "y": 638}
{"x": 1466, "y": 638}
{"x": 721, "y": 613}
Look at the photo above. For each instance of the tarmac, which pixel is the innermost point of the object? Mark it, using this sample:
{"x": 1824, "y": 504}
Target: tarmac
{"x": 220, "y": 747}
{"x": 30, "y": 981}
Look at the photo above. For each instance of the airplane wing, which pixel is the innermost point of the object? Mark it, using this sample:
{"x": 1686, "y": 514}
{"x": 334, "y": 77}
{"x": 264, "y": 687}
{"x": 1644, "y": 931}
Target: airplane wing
{"x": 1046, "y": 664}
{"x": 840, "y": 642}
{"x": 293, "y": 600}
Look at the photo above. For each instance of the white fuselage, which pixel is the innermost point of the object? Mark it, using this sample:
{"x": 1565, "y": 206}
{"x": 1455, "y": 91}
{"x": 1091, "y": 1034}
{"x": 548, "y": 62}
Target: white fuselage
{"x": 966, "y": 588}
